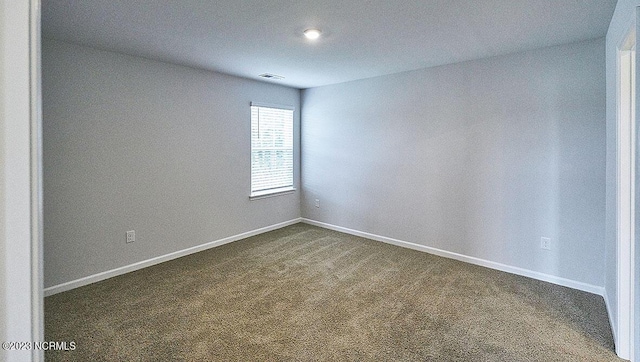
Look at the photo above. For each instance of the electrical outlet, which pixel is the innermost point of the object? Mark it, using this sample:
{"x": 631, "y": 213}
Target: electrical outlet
{"x": 131, "y": 236}
{"x": 545, "y": 243}
{"x": 317, "y": 203}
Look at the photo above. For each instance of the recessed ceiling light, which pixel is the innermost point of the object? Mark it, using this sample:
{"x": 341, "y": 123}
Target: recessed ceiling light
{"x": 312, "y": 34}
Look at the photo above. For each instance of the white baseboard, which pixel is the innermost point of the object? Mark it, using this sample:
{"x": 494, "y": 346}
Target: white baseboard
{"x": 160, "y": 259}
{"x": 612, "y": 322}
{"x": 468, "y": 259}
{"x": 447, "y": 254}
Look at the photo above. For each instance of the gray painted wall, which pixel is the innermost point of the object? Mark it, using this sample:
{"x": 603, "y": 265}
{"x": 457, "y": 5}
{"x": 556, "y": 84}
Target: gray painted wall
{"x": 480, "y": 158}
{"x": 135, "y": 144}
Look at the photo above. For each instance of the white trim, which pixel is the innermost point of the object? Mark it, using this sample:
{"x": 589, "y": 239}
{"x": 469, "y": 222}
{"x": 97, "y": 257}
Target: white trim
{"x": 16, "y": 102}
{"x": 160, "y": 259}
{"x": 625, "y": 191}
{"x": 35, "y": 93}
{"x": 607, "y": 304}
{"x": 467, "y": 259}
{"x": 405, "y": 244}
{"x": 272, "y": 105}
{"x": 272, "y": 192}
{"x": 624, "y": 199}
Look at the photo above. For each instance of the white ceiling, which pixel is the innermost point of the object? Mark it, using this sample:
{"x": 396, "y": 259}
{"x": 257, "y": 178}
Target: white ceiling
{"x": 361, "y": 38}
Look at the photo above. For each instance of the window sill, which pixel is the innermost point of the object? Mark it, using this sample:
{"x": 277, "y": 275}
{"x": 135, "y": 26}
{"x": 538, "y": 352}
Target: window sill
{"x": 271, "y": 193}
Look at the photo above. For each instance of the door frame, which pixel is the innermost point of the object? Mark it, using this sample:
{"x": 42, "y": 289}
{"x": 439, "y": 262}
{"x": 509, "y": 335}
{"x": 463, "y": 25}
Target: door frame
{"x": 626, "y": 166}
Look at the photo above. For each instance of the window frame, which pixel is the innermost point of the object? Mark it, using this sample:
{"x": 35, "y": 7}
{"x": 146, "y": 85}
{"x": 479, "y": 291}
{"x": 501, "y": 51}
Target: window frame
{"x": 261, "y": 194}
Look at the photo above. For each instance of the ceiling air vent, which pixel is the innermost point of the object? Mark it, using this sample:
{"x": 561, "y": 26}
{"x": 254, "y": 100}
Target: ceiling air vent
{"x": 271, "y": 76}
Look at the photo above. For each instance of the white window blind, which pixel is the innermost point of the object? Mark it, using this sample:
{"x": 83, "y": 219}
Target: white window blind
{"x": 271, "y": 150}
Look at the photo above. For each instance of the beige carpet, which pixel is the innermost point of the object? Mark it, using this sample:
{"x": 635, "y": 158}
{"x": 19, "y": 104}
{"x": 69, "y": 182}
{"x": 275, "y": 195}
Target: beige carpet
{"x": 308, "y": 294}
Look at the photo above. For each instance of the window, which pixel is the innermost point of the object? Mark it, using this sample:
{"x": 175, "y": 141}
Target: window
{"x": 271, "y": 150}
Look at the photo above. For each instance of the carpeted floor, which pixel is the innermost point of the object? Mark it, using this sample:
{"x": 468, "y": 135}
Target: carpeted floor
{"x": 308, "y": 294}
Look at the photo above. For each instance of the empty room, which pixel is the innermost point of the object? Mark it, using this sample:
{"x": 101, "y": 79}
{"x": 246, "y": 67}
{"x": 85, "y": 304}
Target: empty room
{"x": 336, "y": 180}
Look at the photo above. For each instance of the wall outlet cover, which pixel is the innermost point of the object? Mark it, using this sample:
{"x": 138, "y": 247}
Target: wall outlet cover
{"x": 545, "y": 243}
